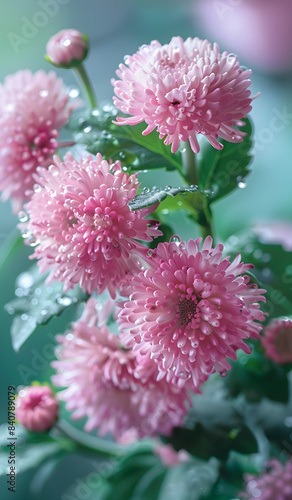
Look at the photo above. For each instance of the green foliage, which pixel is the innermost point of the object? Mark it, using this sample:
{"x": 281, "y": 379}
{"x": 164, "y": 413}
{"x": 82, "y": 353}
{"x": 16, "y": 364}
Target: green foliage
{"x": 37, "y": 303}
{"x": 149, "y": 197}
{"x": 222, "y": 171}
{"x": 214, "y": 428}
{"x": 97, "y": 131}
{"x": 272, "y": 268}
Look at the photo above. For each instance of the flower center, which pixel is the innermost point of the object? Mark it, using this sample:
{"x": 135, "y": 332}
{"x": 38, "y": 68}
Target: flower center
{"x": 187, "y": 310}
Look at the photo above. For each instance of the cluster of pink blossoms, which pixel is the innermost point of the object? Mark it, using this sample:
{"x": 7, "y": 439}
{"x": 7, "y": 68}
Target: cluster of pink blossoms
{"x": 33, "y": 108}
{"x": 185, "y": 308}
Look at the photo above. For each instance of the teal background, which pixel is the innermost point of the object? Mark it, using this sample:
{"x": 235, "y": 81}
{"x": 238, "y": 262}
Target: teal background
{"x": 116, "y": 28}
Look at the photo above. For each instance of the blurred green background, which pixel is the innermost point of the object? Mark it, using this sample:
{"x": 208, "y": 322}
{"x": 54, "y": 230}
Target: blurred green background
{"x": 116, "y": 28}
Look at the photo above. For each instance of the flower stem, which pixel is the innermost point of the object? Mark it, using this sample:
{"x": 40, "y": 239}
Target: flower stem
{"x": 203, "y": 215}
{"x": 83, "y": 77}
{"x": 92, "y": 444}
{"x": 189, "y": 164}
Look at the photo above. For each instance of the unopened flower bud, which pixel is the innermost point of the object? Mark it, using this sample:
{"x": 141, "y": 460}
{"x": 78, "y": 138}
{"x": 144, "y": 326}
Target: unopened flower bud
{"x": 67, "y": 49}
{"x": 36, "y": 408}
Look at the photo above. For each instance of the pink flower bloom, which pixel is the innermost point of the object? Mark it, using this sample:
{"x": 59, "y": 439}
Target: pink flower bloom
{"x": 102, "y": 385}
{"x": 183, "y": 89}
{"x": 277, "y": 340}
{"x": 86, "y": 232}
{"x": 67, "y": 46}
{"x": 169, "y": 457}
{"x": 273, "y": 485}
{"x": 36, "y": 408}
{"x": 276, "y": 233}
{"x": 33, "y": 107}
{"x": 193, "y": 310}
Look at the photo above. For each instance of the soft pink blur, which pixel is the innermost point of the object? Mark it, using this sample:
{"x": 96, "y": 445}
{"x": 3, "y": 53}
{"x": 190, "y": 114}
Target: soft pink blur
{"x": 257, "y": 30}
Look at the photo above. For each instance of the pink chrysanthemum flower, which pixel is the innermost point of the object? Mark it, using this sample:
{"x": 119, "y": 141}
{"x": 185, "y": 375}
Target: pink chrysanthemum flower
{"x": 33, "y": 108}
{"x": 273, "y": 485}
{"x": 102, "y": 386}
{"x": 277, "y": 340}
{"x": 193, "y": 309}
{"x": 184, "y": 88}
{"x": 86, "y": 232}
{"x": 67, "y": 46}
{"x": 36, "y": 408}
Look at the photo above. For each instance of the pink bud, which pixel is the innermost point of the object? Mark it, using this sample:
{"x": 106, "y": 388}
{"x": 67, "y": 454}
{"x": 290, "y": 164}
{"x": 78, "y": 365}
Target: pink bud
{"x": 36, "y": 408}
{"x": 67, "y": 47}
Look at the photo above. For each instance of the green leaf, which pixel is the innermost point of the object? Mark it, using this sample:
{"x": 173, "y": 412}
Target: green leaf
{"x": 149, "y": 197}
{"x": 122, "y": 142}
{"x": 257, "y": 377}
{"x": 190, "y": 481}
{"x": 222, "y": 171}
{"x": 37, "y": 303}
{"x": 12, "y": 245}
{"x": 213, "y": 429}
{"x": 31, "y": 449}
{"x": 272, "y": 268}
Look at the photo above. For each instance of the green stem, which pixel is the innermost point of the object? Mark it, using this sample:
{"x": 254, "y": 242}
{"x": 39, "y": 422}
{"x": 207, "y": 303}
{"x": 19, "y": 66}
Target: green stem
{"x": 92, "y": 444}
{"x": 189, "y": 165}
{"x": 190, "y": 175}
{"x": 82, "y": 75}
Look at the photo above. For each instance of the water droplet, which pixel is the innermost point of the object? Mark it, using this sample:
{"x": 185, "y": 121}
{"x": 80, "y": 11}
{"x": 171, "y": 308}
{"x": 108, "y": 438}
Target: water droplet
{"x": 37, "y": 188}
{"x": 241, "y": 185}
{"x": 34, "y": 301}
{"x": 149, "y": 253}
{"x": 24, "y": 317}
{"x": 95, "y": 112}
{"x": 266, "y": 257}
{"x": 10, "y": 310}
{"x": 69, "y": 336}
{"x": 88, "y": 129}
{"x": 25, "y": 233}
{"x": 165, "y": 211}
{"x": 44, "y": 312}
{"x": 145, "y": 190}
{"x": 175, "y": 239}
{"x": 167, "y": 188}
{"x": 24, "y": 280}
{"x": 32, "y": 240}
{"x": 19, "y": 292}
{"x": 23, "y": 216}
{"x": 138, "y": 339}
{"x": 73, "y": 92}
{"x": 38, "y": 291}
{"x": 64, "y": 301}
{"x": 224, "y": 373}
{"x": 125, "y": 169}
{"x": 258, "y": 253}
{"x": 44, "y": 93}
